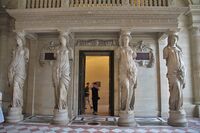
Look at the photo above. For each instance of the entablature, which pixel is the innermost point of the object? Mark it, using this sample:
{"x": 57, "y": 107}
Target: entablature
{"x": 108, "y": 18}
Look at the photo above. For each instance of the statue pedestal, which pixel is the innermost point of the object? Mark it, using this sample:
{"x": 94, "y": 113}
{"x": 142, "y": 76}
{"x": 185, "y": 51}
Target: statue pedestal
{"x": 14, "y": 115}
{"x": 127, "y": 119}
{"x": 60, "y": 117}
{"x": 177, "y": 118}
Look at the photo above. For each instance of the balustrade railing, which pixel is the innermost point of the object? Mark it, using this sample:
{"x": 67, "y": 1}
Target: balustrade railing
{"x": 93, "y": 3}
{"x": 149, "y": 3}
{"x": 43, "y": 3}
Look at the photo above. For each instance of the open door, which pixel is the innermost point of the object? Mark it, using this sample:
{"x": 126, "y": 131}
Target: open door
{"x": 88, "y": 60}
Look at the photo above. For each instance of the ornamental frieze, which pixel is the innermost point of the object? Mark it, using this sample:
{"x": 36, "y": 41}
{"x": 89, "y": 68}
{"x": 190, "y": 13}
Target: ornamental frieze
{"x": 97, "y": 42}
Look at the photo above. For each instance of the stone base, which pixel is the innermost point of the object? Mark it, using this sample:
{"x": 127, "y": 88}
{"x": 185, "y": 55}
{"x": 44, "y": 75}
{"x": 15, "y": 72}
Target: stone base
{"x": 60, "y": 117}
{"x": 127, "y": 119}
{"x": 177, "y": 118}
{"x": 14, "y": 115}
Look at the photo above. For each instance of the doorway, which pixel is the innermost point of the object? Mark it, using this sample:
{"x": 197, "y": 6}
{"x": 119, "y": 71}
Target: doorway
{"x": 97, "y": 66}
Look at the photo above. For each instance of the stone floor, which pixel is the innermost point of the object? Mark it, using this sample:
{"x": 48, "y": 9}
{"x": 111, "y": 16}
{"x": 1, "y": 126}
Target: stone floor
{"x": 97, "y": 124}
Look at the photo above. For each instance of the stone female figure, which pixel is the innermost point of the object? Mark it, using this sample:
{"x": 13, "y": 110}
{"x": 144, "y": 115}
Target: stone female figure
{"x": 127, "y": 81}
{"x": 17, "y": 71}
{"x": 61, "y": 74}
{"x": 16, "y": 78}
{"x": 176, "y": 73}
{"x": 127, "y": 74}
{"x": 176, "y": 77}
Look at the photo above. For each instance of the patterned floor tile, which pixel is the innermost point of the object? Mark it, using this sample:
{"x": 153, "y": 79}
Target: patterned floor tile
{"x": 193, "y": 127}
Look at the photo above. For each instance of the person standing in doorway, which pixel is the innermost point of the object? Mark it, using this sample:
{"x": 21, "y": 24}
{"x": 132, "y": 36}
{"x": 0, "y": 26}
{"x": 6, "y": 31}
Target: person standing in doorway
{"x": 86, "y": 94}
{"x": 95, "y": 98}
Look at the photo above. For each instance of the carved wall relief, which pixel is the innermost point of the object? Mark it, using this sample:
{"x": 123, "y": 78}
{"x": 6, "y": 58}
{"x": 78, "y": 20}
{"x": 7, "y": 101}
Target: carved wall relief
{"x": 97, "y": 42}
{"x": 47, "y": 53}
{"x": 145, "y": 56}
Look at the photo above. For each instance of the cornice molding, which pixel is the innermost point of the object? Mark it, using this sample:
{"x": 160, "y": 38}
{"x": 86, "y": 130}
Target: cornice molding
{"x": 152, "y": 17}
{"x": 79, "y": 11}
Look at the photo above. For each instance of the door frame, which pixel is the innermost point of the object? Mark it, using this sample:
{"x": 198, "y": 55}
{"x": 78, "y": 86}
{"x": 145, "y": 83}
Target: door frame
{"x": 82, "y": 57}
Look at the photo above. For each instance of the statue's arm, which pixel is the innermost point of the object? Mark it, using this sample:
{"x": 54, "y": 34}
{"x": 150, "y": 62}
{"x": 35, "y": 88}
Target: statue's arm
{"x": 165, "y": 54}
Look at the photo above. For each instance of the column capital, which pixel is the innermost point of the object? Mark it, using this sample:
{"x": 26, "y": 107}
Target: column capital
{"x": 65, "y": 32}
{"x": 174, "y": 31}
{"x": 125, "y": 31}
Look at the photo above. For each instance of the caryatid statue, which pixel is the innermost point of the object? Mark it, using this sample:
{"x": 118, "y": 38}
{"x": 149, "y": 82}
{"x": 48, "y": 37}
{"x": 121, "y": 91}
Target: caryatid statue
{"x": 61, "y": 76}
{"x": 17, "y": 76}
{"x": 176, "y": 73}
{"x": 127, "y": 77}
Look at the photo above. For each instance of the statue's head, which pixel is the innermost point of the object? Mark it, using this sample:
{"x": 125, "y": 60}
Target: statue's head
{"x": 64, "y": 38}
{"x": 172, "y": 39}
{"x": 125, "y": 38}
{"x": 20, "y": 37}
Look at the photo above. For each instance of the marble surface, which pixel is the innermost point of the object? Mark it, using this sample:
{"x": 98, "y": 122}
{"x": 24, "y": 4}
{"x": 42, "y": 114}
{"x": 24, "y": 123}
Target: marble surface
{"x": 146, "y": 127}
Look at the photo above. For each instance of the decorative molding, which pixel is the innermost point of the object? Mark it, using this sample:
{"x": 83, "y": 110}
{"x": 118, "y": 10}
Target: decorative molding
{"x": 97, "y": 42}
{"x": 142, "y": 49}
{"x": 50, "y": 48}
{"x": 148, "y": 17}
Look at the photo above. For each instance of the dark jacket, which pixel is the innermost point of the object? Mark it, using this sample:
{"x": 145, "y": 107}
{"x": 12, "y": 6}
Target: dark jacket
{"x": 95, "y": 94}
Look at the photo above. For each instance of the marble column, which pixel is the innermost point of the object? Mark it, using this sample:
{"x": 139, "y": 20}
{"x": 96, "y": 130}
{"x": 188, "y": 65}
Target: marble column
{"x": 176, "y": 73}
{"x": 195, "y": 44}
{"x": 16, "y": 78}
{"x": 127, "y": 80}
